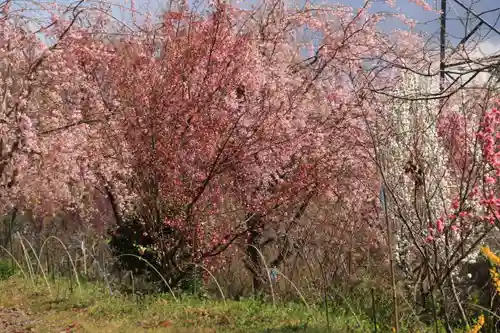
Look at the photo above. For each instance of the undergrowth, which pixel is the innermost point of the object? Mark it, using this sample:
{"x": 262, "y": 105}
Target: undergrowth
{"x": 92, "y": 308}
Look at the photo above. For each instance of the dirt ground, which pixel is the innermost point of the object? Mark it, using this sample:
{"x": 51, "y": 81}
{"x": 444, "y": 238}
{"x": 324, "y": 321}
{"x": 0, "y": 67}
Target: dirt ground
{"x": 14, "y": 321}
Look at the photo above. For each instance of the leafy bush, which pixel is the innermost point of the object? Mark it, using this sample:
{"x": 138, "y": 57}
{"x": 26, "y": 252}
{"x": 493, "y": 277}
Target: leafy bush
{"x": 6, "y": 270}
{"x": 150, "y": 250}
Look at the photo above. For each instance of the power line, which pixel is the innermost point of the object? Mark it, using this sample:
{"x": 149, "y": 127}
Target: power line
{"x": 470, "y": 11}
{"x": 445, "y": 69}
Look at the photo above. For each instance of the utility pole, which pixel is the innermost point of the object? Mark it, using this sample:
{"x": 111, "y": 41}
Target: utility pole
{"x": 442, "y": 47}
{"x": 389, "y": 229}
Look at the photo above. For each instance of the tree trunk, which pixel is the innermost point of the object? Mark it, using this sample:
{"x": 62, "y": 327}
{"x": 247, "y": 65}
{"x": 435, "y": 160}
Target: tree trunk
{"x": 254, "y": 263}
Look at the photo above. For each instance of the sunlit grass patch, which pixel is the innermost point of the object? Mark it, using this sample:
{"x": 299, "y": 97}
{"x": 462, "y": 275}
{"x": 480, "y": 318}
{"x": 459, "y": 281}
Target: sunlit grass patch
{"x": 93, "y": 309}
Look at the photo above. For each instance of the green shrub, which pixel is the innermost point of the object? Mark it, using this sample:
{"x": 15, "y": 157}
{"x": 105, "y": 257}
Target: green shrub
{"x": 6, "y": 270}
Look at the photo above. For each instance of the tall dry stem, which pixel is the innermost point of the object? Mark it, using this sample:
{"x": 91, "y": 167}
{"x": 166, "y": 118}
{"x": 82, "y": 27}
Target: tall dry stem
{"x": 69, "y": 257}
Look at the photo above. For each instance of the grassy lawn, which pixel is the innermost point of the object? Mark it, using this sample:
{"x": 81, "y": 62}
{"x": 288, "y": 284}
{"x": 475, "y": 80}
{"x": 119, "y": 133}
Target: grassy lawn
{"x": 92, "y": 309}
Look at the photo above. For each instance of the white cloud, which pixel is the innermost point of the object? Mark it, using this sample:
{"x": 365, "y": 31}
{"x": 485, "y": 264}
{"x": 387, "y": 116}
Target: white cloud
{"x": 480, "y": 52}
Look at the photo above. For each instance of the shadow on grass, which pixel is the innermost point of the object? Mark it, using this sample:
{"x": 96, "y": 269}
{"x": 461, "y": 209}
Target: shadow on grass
{"x": 298, "y": 329}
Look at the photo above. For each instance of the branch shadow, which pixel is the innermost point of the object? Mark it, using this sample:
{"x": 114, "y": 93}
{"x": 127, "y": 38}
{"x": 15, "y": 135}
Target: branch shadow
{"x": 297, "y": 329}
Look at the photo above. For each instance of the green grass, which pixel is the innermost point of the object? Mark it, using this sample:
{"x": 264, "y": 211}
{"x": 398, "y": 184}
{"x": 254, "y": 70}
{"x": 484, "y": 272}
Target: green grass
{"x": 93, "y": 310}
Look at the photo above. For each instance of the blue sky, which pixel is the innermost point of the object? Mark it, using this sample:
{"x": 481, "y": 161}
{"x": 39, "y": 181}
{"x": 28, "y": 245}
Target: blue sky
{"x": 428, "y": 21}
